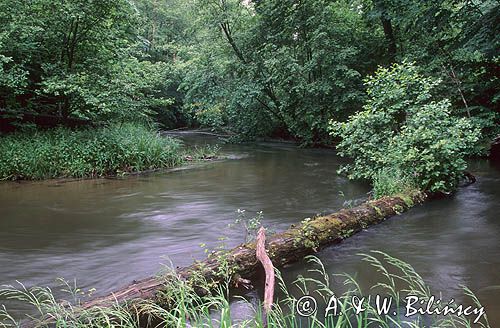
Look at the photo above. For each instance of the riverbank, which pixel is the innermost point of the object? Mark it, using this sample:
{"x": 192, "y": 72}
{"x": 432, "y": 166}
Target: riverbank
{"x": 91, "y": 153}
{"x": 408, "y": 301}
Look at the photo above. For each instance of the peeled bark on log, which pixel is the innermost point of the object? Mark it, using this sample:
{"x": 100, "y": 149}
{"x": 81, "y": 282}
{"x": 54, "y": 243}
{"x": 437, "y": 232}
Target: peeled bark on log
{"x": 285, "y": 247}
{"x": 268, "y": 268}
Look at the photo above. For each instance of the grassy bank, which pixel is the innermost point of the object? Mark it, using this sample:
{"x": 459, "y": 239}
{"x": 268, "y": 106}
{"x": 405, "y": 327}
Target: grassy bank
{"x": 90, "y": 153}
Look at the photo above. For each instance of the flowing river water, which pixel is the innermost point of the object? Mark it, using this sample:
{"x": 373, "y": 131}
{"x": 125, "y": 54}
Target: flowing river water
{"x": 107, "y": 232}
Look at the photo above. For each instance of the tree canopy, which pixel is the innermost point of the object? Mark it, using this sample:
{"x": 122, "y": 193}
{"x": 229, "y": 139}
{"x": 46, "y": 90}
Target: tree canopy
{"x": 256, "y": 68}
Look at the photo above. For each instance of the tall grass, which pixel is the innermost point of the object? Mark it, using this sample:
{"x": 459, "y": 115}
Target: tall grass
{"x": 187, "y": 309}
{"x": 389, "y": 182}
{"x": 85, "y": 153}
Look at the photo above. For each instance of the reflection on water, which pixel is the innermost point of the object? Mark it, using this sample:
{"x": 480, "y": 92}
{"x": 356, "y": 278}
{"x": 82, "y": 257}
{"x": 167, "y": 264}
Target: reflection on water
{"x": 106, "y": 233}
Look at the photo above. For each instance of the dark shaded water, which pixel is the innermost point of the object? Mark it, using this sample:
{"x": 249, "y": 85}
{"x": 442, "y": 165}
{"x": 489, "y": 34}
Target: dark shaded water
{"x": 105, "y": 233}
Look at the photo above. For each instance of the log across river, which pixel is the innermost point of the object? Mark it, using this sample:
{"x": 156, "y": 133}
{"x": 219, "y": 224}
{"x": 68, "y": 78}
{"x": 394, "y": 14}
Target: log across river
{"x": 304, "y": 238}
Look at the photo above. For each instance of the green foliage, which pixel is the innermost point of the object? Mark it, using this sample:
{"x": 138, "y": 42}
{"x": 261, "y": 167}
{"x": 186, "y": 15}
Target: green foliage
{"x": 251, "y": 225}
{"x": 77, "y": 58}
{"x": 12, "y": 76}
{"x": 291, "y": 66}
{"x": 279, "y": 67}
{"x": 87, "y": 153}
{"x": 403, "y": 128}
{"x": 213, "y": 117}
{"x": 166, "y": 33}
{"x": 256, "y": 68}
{"x": 456, "y": 41}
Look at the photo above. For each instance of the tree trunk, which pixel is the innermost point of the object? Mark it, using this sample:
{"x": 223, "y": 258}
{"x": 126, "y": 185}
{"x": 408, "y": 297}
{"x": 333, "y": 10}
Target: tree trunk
{"x": 305, "y": 238}
{"x": 388, "y": 29}
{"x": 389, "y": 35}
{"x": 285, "y": 247}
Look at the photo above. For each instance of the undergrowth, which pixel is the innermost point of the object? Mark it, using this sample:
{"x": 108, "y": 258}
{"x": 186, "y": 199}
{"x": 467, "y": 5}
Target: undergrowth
{"x": 392, "y": 182}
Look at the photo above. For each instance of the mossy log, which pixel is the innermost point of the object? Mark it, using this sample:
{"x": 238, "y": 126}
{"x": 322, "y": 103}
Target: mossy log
{"x": 305, "y": 238}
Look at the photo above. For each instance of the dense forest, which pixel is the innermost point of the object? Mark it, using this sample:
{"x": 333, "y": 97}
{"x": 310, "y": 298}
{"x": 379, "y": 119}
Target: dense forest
{"x": 252, "y": 67}
{"x": 256, "y": 69}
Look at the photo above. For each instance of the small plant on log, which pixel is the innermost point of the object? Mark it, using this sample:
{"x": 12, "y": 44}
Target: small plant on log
{"x": 307, "y": 235}
{"x": 251, "y": 225}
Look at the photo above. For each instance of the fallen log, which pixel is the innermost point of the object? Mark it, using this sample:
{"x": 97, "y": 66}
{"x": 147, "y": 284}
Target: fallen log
{"x": 305, "y": 238}
{"x": 285, "y": 247}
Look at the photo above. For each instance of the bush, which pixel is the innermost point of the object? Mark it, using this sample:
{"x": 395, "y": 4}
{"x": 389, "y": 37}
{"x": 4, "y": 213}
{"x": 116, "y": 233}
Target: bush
{"x": 403, "y": 128}
{"x": 85, "y": 153}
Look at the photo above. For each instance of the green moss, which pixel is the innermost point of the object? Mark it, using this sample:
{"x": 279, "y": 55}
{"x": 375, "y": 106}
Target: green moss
{"x": 398, "y": 209}
{"x": 377, "y": 209}
{"x": 307, "y": 235}
{"x": 408, "y": 200}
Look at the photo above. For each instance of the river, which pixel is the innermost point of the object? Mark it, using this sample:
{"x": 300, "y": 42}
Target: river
{"x": 107, "y": 232}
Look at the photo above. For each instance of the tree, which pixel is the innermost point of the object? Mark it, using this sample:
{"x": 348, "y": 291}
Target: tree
{"x": 456, "y": 41}
{"x": 292, "y": 63}
{"x": 75, "y": 58}
{"x": 404, "y": 128}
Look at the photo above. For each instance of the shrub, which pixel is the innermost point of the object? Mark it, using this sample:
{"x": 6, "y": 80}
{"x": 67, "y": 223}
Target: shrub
{"x": 213, "y": 117}
{"x": 402, "y": 127}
